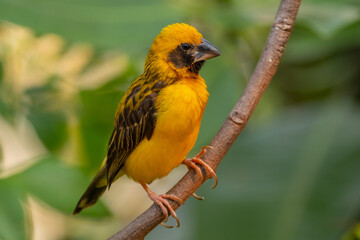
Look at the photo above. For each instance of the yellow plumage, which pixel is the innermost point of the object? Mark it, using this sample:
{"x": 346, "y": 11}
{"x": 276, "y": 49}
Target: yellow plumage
{"x": 158, "y": 119}
{"x": 180, "y": 109}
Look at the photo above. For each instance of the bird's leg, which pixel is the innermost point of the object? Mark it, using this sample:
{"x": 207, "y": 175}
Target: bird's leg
{"x": 191, "y": 163}
{"x": 161, "y": 201}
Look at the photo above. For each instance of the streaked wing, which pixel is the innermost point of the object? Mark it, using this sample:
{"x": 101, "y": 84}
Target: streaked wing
{"x": 135, "y": 119}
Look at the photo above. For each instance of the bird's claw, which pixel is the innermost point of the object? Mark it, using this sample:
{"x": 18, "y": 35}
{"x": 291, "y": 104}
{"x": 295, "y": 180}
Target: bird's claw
{"x": 197, "y": 197}
{"x": 161, "y": 201}
{"x": 191, "y": 163}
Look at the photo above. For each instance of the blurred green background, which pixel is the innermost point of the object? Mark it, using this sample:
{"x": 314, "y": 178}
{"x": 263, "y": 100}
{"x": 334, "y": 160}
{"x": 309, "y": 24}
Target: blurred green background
{"x": 293, "y": 174}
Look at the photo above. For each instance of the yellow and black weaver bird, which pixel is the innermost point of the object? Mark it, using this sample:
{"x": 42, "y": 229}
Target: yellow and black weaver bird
{"x": 158, "y": 119}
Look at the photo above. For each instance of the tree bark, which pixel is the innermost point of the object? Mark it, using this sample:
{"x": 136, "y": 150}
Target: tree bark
{"x": 233, "y": 125}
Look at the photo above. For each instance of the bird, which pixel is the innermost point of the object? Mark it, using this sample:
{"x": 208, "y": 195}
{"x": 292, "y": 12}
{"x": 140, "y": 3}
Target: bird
{"x": 158, "y": 118}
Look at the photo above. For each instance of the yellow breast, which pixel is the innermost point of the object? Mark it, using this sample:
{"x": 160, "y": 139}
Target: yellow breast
{"x": 180, "y": 107}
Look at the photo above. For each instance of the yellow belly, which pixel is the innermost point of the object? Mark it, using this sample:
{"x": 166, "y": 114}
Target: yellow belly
{"x": 179, "y": 111}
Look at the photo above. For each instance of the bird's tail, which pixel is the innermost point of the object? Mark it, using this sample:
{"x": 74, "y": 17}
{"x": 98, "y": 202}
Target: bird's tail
{"x": 96, "y": 188}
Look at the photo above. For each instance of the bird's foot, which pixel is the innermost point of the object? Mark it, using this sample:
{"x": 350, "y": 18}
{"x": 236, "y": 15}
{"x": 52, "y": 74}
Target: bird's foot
{"x": 161, "y": 201}
{"x": 191, "y": 163}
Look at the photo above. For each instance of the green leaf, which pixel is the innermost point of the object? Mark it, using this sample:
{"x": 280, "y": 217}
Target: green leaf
{"x": 48, "y": 119}
{"x": 320, "y": 16}
{"x": 11, "y": 213}
{"x": 50, "y": 126}
{"x": 58, "y": 185}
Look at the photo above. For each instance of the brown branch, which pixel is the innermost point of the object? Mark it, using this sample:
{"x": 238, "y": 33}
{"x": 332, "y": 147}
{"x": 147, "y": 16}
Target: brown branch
{"x": 233, "y": 125}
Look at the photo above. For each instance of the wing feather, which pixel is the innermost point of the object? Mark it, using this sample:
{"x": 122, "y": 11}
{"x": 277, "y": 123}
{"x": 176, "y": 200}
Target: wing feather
{"x": 135, "y": 120}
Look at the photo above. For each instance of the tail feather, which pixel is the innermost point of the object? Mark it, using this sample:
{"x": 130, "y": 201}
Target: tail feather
{"x": 96, "y": 188}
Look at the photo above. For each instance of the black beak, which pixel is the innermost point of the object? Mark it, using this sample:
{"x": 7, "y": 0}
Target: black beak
{"x": 205, "y": 51}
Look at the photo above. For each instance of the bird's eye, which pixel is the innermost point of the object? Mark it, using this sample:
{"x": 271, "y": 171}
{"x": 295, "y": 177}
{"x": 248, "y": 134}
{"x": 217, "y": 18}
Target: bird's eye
{"x": 185, "y": 46}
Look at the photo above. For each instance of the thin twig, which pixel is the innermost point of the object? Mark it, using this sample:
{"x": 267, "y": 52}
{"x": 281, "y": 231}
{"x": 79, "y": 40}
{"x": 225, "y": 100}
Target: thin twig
{"x": 234, "y": 123}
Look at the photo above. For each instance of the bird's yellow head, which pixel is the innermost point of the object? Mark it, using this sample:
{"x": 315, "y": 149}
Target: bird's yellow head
{"x": 179, "y": 50}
